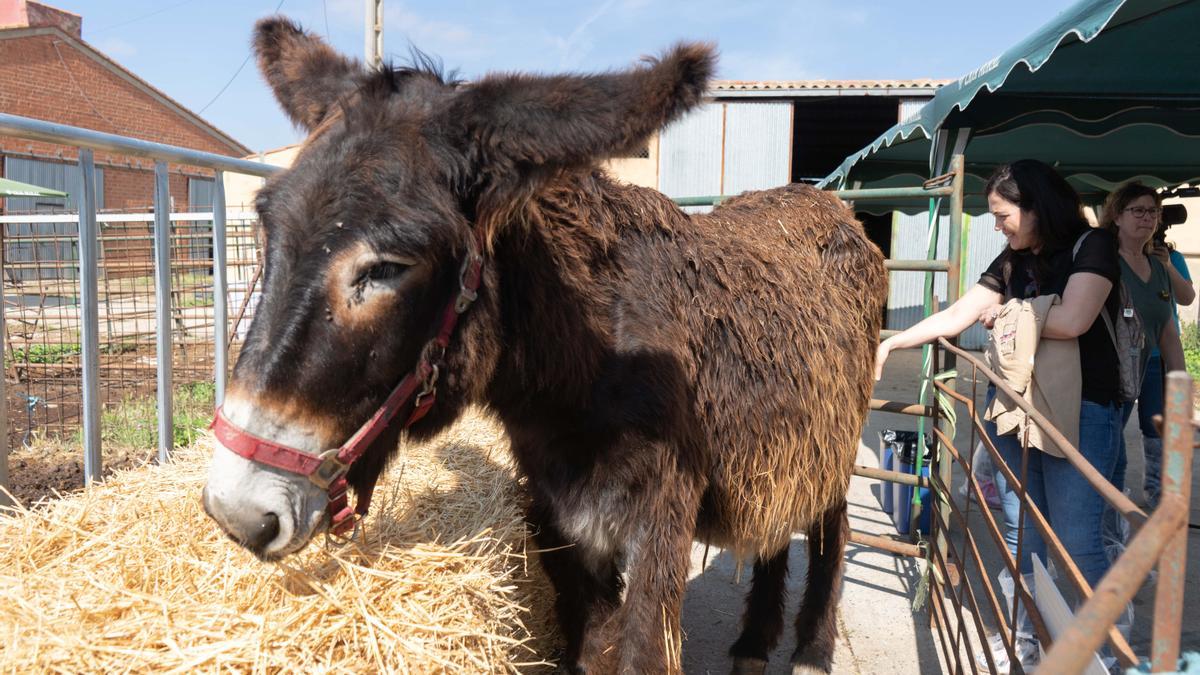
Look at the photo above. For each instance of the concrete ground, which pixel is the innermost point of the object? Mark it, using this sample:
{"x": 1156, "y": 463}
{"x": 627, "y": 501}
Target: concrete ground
{"x": 879, "y": 631}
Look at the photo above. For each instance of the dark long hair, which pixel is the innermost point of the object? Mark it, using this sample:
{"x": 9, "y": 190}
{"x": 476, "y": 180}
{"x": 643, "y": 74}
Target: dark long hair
{"x": 1034, "y": 186}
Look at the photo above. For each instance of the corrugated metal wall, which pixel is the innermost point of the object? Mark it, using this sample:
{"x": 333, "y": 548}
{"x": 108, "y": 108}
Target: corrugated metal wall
{"x": 906, "y": 294}
{"x": 200, "y": 194}
{"x": 910, "y": 237}
{"x": 689, "y": 153}
{"x": 199, "y": 234}
{"x": 19, "y": 247}
{"x": 984, "y": 243}
{"x": 909, "y": 107}
{"x": 758, "y": 146}
{"x": 726, "y": 148}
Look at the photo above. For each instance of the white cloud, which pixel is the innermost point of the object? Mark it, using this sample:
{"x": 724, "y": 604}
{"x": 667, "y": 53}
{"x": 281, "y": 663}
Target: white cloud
{"x": 575, "y": 47}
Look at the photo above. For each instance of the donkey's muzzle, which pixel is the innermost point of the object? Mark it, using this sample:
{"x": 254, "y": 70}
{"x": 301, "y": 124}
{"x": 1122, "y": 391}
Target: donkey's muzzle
{"x": 251, "y": 527}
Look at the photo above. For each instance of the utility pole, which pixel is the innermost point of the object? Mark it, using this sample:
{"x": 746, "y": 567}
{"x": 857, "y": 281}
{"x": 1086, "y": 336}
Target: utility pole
{"x": 373, "y": 35}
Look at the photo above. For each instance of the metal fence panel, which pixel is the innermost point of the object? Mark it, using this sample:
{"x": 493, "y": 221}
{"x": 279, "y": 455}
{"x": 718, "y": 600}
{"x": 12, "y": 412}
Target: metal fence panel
{"x": 43, "y": 324}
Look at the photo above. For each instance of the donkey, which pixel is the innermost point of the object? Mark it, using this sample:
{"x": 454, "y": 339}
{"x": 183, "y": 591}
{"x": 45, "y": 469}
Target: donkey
{"x": 662, "y": 378}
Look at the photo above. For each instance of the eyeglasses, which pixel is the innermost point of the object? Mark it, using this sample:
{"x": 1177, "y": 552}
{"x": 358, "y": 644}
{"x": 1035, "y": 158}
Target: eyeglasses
{"x": 1142, "y": 212}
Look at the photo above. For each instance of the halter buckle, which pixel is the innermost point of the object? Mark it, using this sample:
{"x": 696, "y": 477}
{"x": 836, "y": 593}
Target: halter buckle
{"x": 428, "y": 387}
{"x": 467, "y": 294}
{"x": 329, "y": 470}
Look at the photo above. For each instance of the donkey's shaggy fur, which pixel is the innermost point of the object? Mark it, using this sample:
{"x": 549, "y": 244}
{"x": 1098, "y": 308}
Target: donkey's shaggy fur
{"x": 663, "y": 378}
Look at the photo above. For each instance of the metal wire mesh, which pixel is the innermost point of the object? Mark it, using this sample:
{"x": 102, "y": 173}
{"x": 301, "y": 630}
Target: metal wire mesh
{"x": 42, "y": 350}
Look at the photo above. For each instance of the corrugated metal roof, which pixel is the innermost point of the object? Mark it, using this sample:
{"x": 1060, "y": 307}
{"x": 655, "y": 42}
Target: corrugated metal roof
{"x": 782, "y": 85}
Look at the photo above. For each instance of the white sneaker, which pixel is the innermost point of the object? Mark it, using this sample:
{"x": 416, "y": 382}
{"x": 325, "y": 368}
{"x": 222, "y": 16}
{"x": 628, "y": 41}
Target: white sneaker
{"x": 1027, "y": 652}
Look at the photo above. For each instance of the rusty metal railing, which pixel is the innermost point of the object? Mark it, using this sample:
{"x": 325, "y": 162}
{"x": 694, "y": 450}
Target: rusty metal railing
{"x": 957, "y": 609}
{"x": 1161, "y": 541}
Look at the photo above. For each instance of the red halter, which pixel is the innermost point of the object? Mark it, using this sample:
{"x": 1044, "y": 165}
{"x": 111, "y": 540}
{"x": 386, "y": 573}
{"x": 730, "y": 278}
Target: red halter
{"x": 328, "y": 470}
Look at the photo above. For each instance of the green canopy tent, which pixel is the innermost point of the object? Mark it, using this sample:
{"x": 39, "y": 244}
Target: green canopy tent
{"x": 13, "y": 188}
{"x": 1106, "y": 91}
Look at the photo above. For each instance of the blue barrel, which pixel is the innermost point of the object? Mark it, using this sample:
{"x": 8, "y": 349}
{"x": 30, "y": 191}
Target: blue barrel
{"x": 892, "y": 443}
{"x": 902, "y": 495}
{"x": 885, "y": 488}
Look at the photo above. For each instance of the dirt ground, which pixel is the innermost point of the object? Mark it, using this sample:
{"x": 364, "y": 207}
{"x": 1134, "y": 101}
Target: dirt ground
{"x": 45, "y": 469}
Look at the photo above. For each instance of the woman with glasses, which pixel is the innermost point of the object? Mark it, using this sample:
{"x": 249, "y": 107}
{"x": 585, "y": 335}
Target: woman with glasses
{"x": 1154, "y": 285}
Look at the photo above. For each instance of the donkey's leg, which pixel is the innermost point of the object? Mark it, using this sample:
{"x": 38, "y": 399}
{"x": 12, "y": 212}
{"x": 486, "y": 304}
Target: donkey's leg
{"x": 584, "y": 596}
{"x": 661, "y": 524}
{"x": 816, "y": 626}
{"x": 763, "y": 621}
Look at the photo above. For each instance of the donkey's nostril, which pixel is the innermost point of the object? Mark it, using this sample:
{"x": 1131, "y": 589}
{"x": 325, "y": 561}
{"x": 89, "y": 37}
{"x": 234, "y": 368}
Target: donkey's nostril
{"x": 265, "y": 534}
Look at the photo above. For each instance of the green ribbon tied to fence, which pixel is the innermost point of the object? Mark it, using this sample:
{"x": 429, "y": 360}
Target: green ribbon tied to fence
{"x": 945, "y": 406}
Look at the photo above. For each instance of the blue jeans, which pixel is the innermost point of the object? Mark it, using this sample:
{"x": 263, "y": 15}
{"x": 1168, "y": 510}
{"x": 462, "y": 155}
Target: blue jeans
{"x": 1071, "y": 505}
{"x": 1150, "y": 403}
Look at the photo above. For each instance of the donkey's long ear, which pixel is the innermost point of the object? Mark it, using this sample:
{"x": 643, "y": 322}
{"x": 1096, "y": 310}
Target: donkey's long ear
{"x": 519, "y": 123}
{"x": 308, "y": 77}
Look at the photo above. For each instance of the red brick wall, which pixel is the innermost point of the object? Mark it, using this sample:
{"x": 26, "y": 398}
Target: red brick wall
{"x": 127, "y": 189}
{"x": 76, "y": 90}
{"x": 35, "y": 82}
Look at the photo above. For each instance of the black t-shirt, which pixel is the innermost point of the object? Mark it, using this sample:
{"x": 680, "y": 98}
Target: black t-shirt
{"x": 1098, "y": 255}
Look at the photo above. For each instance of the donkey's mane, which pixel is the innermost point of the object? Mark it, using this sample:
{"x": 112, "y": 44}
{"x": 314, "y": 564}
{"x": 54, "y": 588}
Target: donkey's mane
{"x": 420, "y": 65}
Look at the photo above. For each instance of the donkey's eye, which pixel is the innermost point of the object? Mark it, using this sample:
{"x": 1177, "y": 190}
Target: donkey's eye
{"x": 382, "y": 271}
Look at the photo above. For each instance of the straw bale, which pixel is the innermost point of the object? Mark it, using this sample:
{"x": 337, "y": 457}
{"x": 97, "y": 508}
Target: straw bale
{"x": 131, "y": 576}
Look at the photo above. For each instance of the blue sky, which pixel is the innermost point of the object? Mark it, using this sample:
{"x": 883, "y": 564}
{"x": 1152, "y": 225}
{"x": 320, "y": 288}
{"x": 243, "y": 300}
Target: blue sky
{"x": 191, "y": 48}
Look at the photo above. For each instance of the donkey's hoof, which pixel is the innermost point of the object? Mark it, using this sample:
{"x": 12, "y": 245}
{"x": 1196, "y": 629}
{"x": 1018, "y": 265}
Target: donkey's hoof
{"x": 745, "y": 665}
{"x": 805, "y": 669}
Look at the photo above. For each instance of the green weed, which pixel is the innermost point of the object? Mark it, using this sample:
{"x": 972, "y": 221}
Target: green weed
{"x": 134, "y": 422}
{"x": 50, "y": 353}
{"x": 1191, "y": 349}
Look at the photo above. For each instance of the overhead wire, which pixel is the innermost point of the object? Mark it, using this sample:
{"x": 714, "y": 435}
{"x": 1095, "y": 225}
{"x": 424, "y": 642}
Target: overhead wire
{"x": 160, "y": 10}
{"x": 236, "y": 72}
{"x": 82, "y": 93}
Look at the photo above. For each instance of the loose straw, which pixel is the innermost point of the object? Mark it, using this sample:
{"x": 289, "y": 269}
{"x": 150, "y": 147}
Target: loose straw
{"x": 131, "y": 576}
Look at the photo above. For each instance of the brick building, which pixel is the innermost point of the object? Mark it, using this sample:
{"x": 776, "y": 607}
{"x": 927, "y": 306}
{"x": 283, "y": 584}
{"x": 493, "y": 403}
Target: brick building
{"x": 51, "y": 73}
